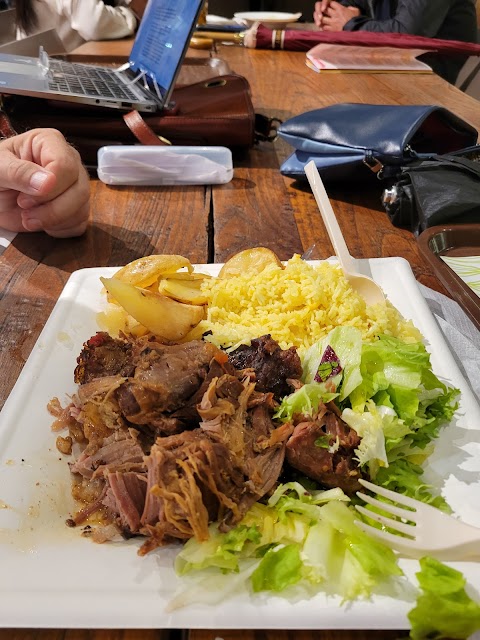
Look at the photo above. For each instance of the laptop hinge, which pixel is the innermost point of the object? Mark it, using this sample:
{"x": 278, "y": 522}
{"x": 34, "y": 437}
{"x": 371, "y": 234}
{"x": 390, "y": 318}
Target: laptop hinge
{"x": 141, "y": 76}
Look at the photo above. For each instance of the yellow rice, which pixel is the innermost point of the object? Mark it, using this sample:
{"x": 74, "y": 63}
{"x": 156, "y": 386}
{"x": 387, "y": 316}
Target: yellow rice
{"x": 297, "y": 305}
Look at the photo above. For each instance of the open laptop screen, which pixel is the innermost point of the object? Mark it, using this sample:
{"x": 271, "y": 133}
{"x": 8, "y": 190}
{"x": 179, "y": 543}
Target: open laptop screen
{"x": 163, "y": 38}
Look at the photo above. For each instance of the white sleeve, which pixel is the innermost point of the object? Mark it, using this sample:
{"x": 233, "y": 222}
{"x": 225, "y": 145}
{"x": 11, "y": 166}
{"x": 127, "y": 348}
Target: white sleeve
{"x": 94, "y": 20}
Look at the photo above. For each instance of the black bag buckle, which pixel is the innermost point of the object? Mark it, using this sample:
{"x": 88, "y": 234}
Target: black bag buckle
{"x": 266, "y": 129}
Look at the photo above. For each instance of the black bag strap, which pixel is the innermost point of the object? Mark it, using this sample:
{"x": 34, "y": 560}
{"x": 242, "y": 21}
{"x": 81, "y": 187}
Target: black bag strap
{"x": 469, "y": 165}
{"x": 434, "y": 162}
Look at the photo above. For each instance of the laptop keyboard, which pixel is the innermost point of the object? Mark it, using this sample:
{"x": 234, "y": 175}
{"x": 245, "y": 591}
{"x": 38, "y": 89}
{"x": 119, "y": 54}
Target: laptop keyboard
{"x": 69, "y": 77}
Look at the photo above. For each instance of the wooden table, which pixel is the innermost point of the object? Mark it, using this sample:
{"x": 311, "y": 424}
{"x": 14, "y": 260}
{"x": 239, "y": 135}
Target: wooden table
{"x": 208, "y": 224}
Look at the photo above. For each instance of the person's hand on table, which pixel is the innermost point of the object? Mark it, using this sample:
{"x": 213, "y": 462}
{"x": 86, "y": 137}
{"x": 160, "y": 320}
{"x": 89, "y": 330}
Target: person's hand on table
{"x": 43, "y": 185}
{"x": 319, "y": 11}
{"x": 333, "y": 16}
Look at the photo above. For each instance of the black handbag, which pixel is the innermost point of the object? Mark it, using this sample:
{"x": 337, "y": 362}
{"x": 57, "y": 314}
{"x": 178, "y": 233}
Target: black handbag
{"x": 443, "y": 189}
{"x": 349, "y": 141}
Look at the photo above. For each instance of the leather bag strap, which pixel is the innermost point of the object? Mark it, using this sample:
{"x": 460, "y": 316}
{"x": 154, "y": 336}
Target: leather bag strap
{"x": 141, "y": 130}
{"x": 6, "y": 128}
{"x": 469, "y": 165}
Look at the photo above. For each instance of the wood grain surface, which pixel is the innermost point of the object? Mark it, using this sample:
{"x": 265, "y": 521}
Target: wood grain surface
{"x": 208, "y": 224}
{"x": 296, "y": 635}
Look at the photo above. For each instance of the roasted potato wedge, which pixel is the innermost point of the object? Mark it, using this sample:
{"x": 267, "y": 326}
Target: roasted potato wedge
{"x": 188, "y": 291}
{"x": 115, "y": 320}
{"x": 194, "y": 275}
{"x": 162, "y": 316}
{"x": 147, "y": 270}
{"x": 249, "y": 261}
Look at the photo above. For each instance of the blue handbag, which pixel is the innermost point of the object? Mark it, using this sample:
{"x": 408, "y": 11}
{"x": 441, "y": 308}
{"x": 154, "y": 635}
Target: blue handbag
{"x": 348, "y": 141}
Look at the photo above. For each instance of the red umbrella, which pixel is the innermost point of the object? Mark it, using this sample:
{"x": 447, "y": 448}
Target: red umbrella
{"x": 259, "y": 37}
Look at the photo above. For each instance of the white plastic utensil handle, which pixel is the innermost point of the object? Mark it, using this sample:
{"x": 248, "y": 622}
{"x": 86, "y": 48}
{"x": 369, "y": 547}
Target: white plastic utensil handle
{"x": 348, "y": 263}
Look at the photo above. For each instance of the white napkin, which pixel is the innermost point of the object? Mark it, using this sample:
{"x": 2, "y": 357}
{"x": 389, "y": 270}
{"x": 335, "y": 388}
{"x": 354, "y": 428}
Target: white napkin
{"x": 460, "y": 333}
{"x": 5, "y": 239}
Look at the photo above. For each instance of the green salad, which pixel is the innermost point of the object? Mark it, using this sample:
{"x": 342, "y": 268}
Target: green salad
{"x": 306, "y": 536}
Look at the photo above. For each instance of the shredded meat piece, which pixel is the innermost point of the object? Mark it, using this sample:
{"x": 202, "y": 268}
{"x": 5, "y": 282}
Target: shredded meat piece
{"x": 119, "y": 448}
{"x": 323, "y": 449}
{"x": 103, "y": 356}
{"x": 173, "y": 437}
{"x": 252, "y": 438}
{"x": 212, "y": 473}
{"x": 91, "y": 493}
{"x": 191, "y": 480}
{"x": 64, "y": 445}
{"x": 165, "y": 377}
{"x": 126, "y": 496}
{"x": 64, "y": 417}
{"x": 273, "y": 366}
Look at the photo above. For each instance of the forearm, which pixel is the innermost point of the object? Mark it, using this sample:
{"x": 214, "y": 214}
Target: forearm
{"x": 94, "y": 20}
{"x": 137, "y": 7}
{"x": 421, "y": 17}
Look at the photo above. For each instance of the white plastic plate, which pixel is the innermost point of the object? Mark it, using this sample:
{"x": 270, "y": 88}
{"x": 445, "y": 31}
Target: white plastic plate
{"x": 271, "y": 19}
{"x": 52, "y": 577}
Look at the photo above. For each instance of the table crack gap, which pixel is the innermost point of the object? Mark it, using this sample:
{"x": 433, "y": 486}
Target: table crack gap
{"x": 211, "y": 232}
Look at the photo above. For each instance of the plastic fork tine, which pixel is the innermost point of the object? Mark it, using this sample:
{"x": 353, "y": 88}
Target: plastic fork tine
{"x": 390, "y": 539}
{"x": 408, "y": 529}
{"x": 430, "y": 530}
{"x": 385, "y": 506}
{"x": 391, "y": 495}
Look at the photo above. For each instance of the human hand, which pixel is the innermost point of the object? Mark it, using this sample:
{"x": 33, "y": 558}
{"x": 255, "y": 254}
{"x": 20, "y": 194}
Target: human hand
{"x": 319, "y": 11}
{"x": 43, "y": 185}
{"x": 336, "y": 16}
{"x": 138, "y": 7}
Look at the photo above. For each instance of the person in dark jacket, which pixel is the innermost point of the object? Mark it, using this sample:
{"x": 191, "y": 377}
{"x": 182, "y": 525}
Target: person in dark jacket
{"x": 444, "y": 19}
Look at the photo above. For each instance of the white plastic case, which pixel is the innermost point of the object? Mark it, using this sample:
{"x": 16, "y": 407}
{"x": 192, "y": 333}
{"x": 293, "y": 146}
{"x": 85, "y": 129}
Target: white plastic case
{"x": 169, "y": 165}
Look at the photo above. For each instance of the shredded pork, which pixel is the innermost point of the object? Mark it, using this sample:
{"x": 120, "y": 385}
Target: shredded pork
{"x": 168, "y": 438}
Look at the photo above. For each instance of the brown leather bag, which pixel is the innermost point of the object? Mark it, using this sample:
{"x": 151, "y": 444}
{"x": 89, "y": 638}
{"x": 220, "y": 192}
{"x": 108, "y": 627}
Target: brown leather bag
{"x": 217, "y": 111}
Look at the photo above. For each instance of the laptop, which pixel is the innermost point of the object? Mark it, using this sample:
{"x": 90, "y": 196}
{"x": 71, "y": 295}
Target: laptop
{"x": 144, "y": 83}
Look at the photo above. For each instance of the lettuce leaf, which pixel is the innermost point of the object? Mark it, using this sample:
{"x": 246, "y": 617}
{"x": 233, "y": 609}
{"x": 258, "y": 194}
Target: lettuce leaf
{"x": 279, "y": 568}
{"x": 305, "y": 400}
{"x": 369, "y": 426}
{"x": 346, "y": 342}
{"x": 376, "y": 561}
{"x": 220, "y": 550}
{"x": 298, "y": 536}
{"x": 399, "y": 374}
{"x": 404, "y": 476}
{"x": 390, "y": 396}
{"x": 443, "y": 609}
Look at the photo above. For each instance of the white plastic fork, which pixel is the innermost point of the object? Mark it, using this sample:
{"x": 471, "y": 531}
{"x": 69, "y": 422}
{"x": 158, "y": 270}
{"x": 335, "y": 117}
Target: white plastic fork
{"x": 365, "y": 286}
{"x": 429, "y": 530}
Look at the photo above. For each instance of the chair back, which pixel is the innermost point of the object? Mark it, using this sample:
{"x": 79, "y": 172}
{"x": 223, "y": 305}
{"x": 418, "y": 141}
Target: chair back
{"x": 30, "y": 45}
{"x": 7, "y": 25}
